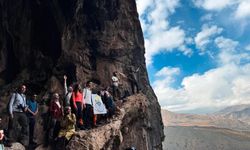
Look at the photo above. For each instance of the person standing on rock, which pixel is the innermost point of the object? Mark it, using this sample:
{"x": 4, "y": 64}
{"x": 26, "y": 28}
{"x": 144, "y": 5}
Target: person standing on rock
{"x": 67, "y": 92}
{"x": 17, "y": 111}
{"x": 88, "y": 115}
{"x": 56, "y": 113}
{"x": 79, "y": 104}
{"x": 115, "y": 85}
{"x": 134, "y": 79}
{"x": 31, "y": 113}
{"x": 109, "y": 103}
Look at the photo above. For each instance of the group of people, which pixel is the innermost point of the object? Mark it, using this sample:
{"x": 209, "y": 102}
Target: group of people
{"x": 65, "y": 114}
{"x": 74, "y": 110}
{"x": 22, "y": 113}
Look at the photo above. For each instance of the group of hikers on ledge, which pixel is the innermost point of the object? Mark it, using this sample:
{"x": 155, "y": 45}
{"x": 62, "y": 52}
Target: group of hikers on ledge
{"x": 77, "y": 109}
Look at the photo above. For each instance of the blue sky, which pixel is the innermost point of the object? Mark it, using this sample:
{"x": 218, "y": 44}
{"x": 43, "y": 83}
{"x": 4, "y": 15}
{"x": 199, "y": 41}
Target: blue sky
{"x": 197, "y": 52}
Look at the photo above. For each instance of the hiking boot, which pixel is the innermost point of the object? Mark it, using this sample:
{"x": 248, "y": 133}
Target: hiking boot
{"x": 83, "y": 128}
{"x": 8, "y": 144}
{"x": 33, "y": 143}
{"x": 96, "y": 126}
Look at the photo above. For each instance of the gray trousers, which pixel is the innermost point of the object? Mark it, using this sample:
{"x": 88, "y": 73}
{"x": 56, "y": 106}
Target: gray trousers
{"x": 19, "y": 120}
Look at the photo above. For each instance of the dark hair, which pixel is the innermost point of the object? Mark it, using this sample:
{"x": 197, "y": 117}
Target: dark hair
{"x": 131, "y": 148}
{"x": 88, "y": 83}
{"x": 76, "y": 87}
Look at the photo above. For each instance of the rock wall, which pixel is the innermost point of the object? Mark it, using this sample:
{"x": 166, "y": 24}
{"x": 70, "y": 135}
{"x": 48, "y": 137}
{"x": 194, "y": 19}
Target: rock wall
{"x": 41, "y": 40}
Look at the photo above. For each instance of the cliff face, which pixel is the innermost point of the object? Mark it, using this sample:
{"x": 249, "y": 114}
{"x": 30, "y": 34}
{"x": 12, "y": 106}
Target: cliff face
{"x": 41, "y": 40}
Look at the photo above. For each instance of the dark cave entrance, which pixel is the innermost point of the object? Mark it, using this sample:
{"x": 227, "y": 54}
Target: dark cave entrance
{"x": 45, "y": 35}
{"x": 13, "y": 66}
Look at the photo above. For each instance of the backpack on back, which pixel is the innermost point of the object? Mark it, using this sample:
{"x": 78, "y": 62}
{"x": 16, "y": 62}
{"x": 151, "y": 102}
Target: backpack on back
{"x": 8, "y": 105}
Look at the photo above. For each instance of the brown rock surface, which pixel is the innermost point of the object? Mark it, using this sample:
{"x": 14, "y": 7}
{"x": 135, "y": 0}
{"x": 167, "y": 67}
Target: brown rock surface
{"x": 40, "y": 41}
{"x": 132, "y": 121}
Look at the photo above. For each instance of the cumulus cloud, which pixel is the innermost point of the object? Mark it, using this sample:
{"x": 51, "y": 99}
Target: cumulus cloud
{"x": 216, "y": 88}
{"x": 162, "y": 87}
{"x": 159, "y": 36}
{"x": 207, "y": 17}
{"x": 143, "y": 5}
{"x": 243, "y": 9}
{"x": 229, "y": 52}
{"x": 226, "y": 44}
{"x": 203, "y": 38}
{"x": 228, "y": 84}
{"x": 247, "y": 47}
{"x": 213, "y": 5}
{"x": 167, "y": 71}
{"x": 164, "y": 41}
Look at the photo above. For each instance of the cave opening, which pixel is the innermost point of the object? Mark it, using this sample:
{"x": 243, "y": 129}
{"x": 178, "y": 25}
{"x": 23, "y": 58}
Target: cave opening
{"x": 46, "y": 36}
{"x": 13, "y": 66}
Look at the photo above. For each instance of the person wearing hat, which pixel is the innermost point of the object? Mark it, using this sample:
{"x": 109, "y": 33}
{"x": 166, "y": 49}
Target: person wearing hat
{"x": 31, "y": 114}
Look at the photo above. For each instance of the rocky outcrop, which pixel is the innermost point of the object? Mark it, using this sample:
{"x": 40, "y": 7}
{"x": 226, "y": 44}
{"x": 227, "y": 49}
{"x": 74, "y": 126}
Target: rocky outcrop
{"x": 15, "y": 146}
{"x": 40, "y": 41}
{"x": 130, "y": 122}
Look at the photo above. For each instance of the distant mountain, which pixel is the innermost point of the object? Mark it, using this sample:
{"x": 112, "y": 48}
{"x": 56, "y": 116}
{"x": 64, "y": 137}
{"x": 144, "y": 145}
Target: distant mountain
{"x": 228, "y": 121}
{"x": 228, "y": 129}
{"x": 239, "y": 112}
{"x": 205, "y": 138}
{"x": 232, "y": 109}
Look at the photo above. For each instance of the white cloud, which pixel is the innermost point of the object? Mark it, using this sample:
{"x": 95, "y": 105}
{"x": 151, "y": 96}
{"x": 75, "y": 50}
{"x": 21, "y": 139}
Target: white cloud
{"x": 212, "y": 4}
{"x": 243, "y": 9}
{"x": 167, "y": 71}
{"x": 240, "y": 8}
{"x": 247, "y": 47}
{"x": 143, "y": 5}
{"x": 204, "y": 37}
{"x": 164, "y": 41}
{"x": 229, "y": 53}
{"x": 216, "y": 88}
{"x": 226, "y": 44}
{"x": 159, "y": 36}
{"x": 207, "y": 17}
{"x": 228, "y": 84}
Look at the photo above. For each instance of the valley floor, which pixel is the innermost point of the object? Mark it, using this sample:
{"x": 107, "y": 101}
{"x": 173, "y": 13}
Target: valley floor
{"x": 204, "y": 138}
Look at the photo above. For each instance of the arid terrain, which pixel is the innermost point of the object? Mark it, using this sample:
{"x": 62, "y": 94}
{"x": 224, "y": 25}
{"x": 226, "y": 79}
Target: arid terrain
{"x": 227, "y": 129}
{"x": 205, "y": 138}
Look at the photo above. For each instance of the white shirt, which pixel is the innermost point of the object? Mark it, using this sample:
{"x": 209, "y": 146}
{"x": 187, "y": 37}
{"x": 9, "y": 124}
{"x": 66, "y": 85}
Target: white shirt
{"x": 115, "y": 80}
{"x": 87, "y": 93}
{"x": 58, "y": 104}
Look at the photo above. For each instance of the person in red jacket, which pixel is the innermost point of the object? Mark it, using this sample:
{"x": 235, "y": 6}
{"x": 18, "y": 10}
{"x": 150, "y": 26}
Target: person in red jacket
{"x": 79, "y": 104}
{"x": 56, "y": 113}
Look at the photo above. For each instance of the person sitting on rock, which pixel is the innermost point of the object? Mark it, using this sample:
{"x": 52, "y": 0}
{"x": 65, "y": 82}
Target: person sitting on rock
{"x": 67, "y": 92}
{"x": 67, "y": 127}
{"x": 79, "y": 104}
{"x": 31, "y": 114}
